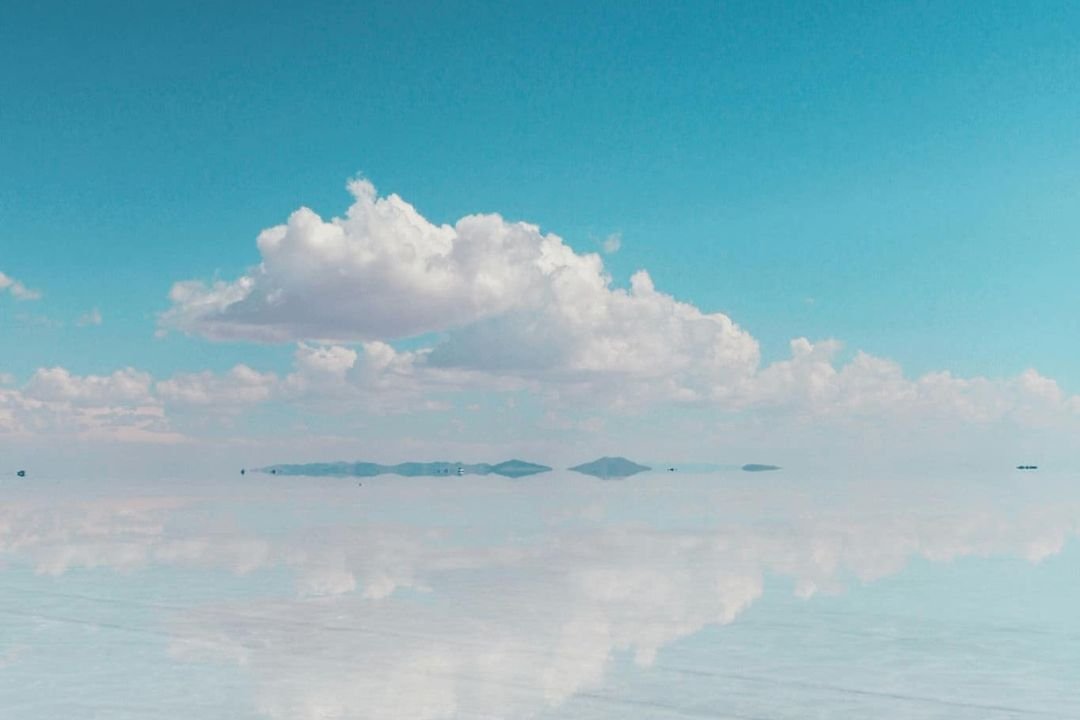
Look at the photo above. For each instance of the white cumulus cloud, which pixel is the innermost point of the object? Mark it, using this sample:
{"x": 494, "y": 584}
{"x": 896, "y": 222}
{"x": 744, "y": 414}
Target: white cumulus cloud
{"x": 812, "y": 382}
{"x": 57, "y": 384}
{"x": 383, "y": 271}
{"x": 239, "y": 386}
{"x": 508, "y": 300}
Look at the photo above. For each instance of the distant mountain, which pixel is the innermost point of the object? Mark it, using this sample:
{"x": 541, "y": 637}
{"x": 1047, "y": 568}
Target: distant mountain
{"x": 509, "y": 468}
{"x": 610, "y": 467}
{"x": 754, "y": 467}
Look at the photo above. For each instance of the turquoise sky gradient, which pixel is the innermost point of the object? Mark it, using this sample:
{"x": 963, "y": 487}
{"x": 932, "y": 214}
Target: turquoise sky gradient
{"x": 901, "y": 178}
{"x": 912, "y": 169}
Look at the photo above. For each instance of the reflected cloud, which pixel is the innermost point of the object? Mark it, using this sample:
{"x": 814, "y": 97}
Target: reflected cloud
{"x": 427, "y": 618}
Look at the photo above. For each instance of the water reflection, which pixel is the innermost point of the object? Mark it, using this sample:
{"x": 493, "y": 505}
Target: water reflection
{"x": 689, "y": 596}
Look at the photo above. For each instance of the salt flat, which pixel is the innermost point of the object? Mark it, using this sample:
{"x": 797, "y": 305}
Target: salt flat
{"x": 719, "y": 595}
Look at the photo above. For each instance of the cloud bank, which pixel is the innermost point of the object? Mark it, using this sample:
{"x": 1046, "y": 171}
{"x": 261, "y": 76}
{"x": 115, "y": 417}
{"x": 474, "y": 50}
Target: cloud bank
{"x": 121, "y": 406}
{"x": 509, "y": 305}
{"x": 491, "y": 307}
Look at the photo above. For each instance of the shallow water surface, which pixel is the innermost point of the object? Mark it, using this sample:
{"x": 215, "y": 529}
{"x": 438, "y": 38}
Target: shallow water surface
{"x": 666, "y": 595}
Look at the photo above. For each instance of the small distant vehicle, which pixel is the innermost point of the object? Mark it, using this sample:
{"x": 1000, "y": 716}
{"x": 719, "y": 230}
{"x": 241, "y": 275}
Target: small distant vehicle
{"x": 21, "y": 473}
{"x": 243, "y": 471}
{"x": 1027, "y": 467}
{"x": 461, "y": 471}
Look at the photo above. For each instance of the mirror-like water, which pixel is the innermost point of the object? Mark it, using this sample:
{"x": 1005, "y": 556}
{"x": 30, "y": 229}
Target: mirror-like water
{"x": 768, "y": 596}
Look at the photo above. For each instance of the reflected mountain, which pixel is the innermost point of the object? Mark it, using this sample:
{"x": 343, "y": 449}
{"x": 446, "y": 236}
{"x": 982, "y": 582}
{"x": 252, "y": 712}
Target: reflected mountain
{"x": 508, "y": 468}
{"x": 611, "y": 467}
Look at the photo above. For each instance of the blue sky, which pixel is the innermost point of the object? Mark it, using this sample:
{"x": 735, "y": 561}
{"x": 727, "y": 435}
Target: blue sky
{"x": 901, "y": 178}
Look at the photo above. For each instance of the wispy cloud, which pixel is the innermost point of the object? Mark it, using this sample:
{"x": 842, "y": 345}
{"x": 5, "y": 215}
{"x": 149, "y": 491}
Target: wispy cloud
{"x": 17, "y": 290}
{"x": 612, "y": 243}
{"x": 92, "y": 317}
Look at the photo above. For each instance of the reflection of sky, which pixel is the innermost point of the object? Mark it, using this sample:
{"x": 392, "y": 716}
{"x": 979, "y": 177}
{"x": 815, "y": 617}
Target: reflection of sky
{"x": 718, "y": 595}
